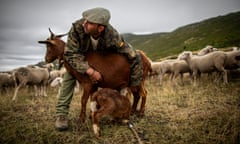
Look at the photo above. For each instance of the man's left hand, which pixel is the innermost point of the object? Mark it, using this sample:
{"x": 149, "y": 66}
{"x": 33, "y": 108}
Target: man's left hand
{"x": 94, "y": 75}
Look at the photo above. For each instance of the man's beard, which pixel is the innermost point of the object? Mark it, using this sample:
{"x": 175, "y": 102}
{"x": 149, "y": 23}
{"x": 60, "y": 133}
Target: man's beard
{"x": 93, "y": 32}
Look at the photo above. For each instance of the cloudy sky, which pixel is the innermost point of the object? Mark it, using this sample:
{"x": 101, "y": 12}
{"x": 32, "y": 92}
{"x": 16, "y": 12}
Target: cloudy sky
{"x": 24, "y": 22}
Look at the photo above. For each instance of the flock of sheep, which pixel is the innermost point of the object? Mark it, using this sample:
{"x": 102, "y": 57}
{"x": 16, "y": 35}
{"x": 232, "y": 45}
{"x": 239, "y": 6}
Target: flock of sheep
{"x": 30, "y": 76}
{"x": 207, "y": 60}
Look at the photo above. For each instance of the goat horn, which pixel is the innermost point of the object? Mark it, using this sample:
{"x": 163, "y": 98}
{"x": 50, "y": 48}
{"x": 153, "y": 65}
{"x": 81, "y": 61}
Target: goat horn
{"x": 52, "y": 34}
{"x": 59, "y": 36}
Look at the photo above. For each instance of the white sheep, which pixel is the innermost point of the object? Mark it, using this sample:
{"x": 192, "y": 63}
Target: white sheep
{"x": 37, "y": 77}
{"x": 206, "y": 50}
{"x": 54, "y": 74}
{"x": 57, "y": 82}
{"x": 235, "y": 48}
{"x": 180, "y": 67}
{"x": 232, "y": 60}
{"x": 6, "y": 81}
{"x": 214, "y": 61}
{"x": 161, "y": 68}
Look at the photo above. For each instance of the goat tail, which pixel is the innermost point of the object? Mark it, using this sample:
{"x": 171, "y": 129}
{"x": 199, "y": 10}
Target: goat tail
{"x": 133, "y": 130}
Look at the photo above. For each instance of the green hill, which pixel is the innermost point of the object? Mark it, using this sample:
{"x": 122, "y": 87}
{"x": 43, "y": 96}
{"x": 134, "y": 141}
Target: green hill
{"x": 220, "y": 32}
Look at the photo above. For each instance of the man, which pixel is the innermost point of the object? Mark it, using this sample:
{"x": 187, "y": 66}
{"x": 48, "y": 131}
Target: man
{"x": 92, "y": 33}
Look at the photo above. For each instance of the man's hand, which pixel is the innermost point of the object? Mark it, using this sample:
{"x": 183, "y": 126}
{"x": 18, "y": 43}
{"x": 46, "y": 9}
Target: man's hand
{"x": 94, "y": 75}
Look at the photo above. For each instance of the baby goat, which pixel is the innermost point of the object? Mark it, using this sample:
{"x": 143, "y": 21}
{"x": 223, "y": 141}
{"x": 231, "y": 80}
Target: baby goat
{"x": 109, "y": 102}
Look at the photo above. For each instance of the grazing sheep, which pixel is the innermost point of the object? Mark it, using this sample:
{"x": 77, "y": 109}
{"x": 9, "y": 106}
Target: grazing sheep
{"x": 235, "y": 48}
{"x": 57, "y": 82}
{"x": 174, "y": 67}
{"x": 206, "y": 50}
{"x": 32, "y": 76}
{"x": 54, "y": 74}
{"x": 214, "y": 61}
{"x": 233, "y": 64}
{"x": 109, "y": 102}
{"x": 232, "y": 60}
{"x": 161, "y": 68}
{"x": 49, "y": 66}
{"x": 179, "y": 67}
{"x": 182, "y": 67}
{"x": 6, "y": 80}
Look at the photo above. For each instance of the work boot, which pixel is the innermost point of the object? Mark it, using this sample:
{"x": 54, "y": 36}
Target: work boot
{"x": 61, "y": 123}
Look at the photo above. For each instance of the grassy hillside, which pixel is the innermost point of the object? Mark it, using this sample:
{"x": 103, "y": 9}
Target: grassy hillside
{"x": 221, "y": 31}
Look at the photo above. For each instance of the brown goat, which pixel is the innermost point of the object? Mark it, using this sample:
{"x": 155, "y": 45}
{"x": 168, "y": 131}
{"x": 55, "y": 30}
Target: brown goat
{"x": 109, "y": 102}
{"x": 115, "y": 70}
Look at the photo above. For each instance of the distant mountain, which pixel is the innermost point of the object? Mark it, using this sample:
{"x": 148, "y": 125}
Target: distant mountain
{"x": 220, "y": 32}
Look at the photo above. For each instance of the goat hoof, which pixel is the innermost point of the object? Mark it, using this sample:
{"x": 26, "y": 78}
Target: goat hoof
{"x": 140, "y": 115}
{"x": 80, "y": 121}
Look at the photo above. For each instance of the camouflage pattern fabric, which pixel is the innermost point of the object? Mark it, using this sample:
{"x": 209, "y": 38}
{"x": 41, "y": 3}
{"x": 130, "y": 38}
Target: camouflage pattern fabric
{"x": 97, "y": 15}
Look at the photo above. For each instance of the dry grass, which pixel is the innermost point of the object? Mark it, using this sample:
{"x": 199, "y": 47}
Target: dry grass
{"x": 207, "y": 114}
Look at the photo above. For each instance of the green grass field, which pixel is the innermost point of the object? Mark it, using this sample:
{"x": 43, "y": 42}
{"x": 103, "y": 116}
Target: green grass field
{"x": 206, "y": 114}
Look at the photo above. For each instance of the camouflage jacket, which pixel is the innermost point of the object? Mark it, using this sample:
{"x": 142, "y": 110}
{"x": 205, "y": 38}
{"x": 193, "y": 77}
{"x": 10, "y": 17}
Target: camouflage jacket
{"x": 79, "y": 43}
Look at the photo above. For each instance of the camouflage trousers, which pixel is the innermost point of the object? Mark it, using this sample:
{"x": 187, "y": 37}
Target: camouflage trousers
{"x": 66, "y": 94}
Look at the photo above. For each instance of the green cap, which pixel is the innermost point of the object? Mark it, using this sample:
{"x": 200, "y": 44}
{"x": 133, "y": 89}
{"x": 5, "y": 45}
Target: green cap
{"x": 97, "y": 15}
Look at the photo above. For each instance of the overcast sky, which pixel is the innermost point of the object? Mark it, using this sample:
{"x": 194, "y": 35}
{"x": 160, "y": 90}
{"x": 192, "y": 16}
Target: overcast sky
{"x": 24, "y": 22}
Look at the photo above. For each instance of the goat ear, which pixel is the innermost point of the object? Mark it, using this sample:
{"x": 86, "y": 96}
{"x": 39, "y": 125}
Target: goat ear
{"x": 43, "y": 42}
{"x": 47, "y": 42}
